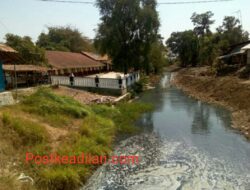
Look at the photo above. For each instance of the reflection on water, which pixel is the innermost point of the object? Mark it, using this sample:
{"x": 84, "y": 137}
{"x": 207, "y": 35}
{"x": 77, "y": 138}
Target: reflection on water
{"x": 199, "y": 149}
{"x": 196, "y": 124}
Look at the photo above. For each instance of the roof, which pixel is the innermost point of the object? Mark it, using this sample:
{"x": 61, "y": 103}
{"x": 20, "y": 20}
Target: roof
{"x": 97, "y": 57}
{"x": 8, "y": 55}
{"x": 24, "y": 68}
{"x": 5, "y": 48}
{"x": 237, "y": 50}
{"x": 240, "y": 44}
{"x": 246, "y": 47}
{"x": 66, "y": 60}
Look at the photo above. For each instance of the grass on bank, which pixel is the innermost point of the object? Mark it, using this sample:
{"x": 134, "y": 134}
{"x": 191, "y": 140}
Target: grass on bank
{"x": 95, "y": 134}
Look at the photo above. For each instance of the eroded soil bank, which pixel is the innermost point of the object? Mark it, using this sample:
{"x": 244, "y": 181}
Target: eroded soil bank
{"x": 228, "y": 91}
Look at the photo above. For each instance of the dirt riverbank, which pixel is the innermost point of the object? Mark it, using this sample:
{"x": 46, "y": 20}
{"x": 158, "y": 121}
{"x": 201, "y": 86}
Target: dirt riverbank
{"x": 229, "y": 91}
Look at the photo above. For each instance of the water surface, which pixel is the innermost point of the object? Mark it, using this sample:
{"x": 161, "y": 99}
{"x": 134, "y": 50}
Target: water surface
{"x": 198, "y": 149}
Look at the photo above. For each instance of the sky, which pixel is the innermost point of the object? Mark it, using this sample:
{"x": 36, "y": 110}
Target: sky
{"x": 31, "y": 17}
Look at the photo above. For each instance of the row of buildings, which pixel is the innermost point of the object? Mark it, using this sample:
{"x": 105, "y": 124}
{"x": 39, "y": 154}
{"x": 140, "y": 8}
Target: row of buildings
{"x": 15, "y": 71}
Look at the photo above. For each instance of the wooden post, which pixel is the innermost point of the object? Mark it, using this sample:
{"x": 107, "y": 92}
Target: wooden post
{"x": 15, "y": 79}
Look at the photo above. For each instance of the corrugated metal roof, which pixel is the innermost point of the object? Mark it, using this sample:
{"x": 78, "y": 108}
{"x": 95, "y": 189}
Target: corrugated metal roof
{"x": 68, "y": 60}
{"x": 24, "y": 68}
{"x": 246, "y": 47}
{"x": 238, "y": 49}
{"x": 6, "y": 48}
{"x": 232, "y": 54}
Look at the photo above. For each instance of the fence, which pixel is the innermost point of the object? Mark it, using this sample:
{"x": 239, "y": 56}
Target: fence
{"x": 92, "y": 82}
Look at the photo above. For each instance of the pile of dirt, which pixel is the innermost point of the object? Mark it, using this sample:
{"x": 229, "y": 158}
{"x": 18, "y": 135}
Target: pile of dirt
{"x": 228, "y": 91}
{"x": 83, "y": 96}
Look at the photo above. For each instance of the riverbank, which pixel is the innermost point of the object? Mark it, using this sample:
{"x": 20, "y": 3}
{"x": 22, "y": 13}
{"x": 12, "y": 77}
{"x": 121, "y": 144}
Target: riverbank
{"x": 229, "y": 91}
{"x": 50, "y": 121}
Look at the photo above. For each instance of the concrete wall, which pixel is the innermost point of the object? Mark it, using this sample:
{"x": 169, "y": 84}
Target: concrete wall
{"x": 6, "y": 98}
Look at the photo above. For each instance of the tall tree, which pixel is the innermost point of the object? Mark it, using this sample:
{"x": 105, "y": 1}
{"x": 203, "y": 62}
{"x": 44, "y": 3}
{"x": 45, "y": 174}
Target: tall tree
{"x": 230, "y": 33}
{"x": 28, "y": 50}
{"x": 186, "y": 46}
{"x": 202, "y": 23}
{"x": 157, "y": 57}
{"x": 64, "y": 39}
{"x": 127, "y": 32}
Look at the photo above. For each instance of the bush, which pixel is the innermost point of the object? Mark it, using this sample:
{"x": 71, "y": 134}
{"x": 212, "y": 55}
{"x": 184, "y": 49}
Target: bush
{"x": 137, "y": 87}
{"x": 244, "y": 73}
{"x": 223, "y": 69}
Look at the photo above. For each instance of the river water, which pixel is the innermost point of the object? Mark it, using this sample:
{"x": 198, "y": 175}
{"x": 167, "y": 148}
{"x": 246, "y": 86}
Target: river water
{"x": 186, "y": 144}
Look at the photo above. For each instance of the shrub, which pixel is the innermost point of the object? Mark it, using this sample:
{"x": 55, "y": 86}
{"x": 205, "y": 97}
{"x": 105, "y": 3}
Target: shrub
{"x": 244, "y": 73}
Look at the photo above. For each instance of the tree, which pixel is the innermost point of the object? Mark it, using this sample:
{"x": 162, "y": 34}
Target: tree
{"x": 157, "y": 57}
{"x": 202, "y": 23}
{"x": 127, "y": 32}
{"x": 208, "y": 50}
{"x": 186, "y": 46}
{"x": 230, "y": 33}
{"x": 28, "y": 50}
{"x": 64, "y": 39}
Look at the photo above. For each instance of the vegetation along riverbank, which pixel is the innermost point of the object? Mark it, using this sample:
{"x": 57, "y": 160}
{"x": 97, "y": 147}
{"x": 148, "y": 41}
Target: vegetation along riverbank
{"x": 228, "y": 91}
{"x": 45, "y": 123}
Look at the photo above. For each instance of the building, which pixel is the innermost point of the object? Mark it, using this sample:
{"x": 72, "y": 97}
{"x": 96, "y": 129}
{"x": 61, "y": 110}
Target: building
{"x": 14, "y": 72}
{"x": 65, "y": 63}
{"x": 103, "y": 59}
{"x": 27, "y": 75}
{"x": 239, "y": 54}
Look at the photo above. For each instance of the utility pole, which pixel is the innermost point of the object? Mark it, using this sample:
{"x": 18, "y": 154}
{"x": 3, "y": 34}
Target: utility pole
{"x": 239, "y": 15}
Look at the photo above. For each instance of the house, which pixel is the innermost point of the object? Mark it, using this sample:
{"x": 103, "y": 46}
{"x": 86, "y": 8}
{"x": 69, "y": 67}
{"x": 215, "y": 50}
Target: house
{"x": 14, "y": 72}
{"x": 65, "y": 63}
{"x": 26, "y": 75}
{"x": 103, "y": 59}
{"x": 239, "y": 54}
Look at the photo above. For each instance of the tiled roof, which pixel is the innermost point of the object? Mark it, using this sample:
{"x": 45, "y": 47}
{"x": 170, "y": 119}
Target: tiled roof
{"x": 68, "y": 60}
{"x": 5, "y": 48}
{"x": 97, "y": 57}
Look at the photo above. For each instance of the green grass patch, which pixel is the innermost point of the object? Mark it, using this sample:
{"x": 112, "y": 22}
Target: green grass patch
{"x": 123, "y": 115}
{"x": 29, "y": 132}
{"x": 97, "y": 127}
{"x": 56, "y": 110}
{"x": 59, "y": 178}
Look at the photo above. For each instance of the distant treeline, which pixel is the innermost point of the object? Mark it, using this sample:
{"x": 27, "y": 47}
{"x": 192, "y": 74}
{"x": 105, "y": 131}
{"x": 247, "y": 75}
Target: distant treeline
{"x": 201, "y": 46}
{"x": 57, "y": 38}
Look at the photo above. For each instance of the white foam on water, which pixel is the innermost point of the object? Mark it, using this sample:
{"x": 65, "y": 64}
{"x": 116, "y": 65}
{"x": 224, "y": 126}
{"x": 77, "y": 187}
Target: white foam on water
{"x": 182, "y": 167}
{"x": 178, "y": 167}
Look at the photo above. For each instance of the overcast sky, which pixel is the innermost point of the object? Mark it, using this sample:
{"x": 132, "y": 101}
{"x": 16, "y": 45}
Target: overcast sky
{"x": 31, "y": 17}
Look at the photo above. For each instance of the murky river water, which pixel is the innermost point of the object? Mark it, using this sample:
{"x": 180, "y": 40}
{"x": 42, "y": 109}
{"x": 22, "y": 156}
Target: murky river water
{"x": 187, "y": 145}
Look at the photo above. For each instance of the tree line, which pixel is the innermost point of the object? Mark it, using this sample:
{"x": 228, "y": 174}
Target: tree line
{"x": 56, "y": 39}
{"x": 128, "y": 34}
{"x": 201, "y": 46}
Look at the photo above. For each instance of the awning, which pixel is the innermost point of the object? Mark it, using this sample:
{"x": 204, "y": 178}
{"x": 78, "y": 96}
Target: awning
{"x": 24, "y": 68}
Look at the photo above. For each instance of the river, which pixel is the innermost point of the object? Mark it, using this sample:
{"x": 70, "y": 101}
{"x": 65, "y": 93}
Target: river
{"x": 186, "y": 144}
